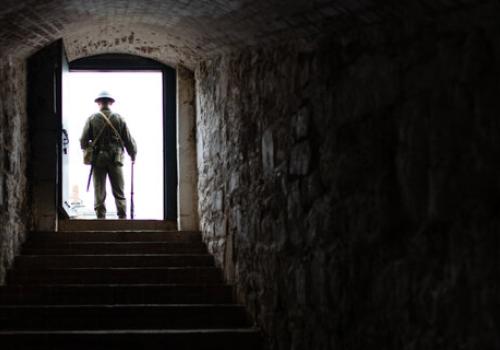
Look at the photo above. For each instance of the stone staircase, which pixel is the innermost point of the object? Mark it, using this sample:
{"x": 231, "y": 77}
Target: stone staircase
{"x": 120, "y": 290}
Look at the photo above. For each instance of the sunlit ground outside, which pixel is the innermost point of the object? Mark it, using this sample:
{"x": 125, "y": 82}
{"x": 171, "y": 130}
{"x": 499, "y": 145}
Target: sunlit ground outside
{"x": 139, "y": 101}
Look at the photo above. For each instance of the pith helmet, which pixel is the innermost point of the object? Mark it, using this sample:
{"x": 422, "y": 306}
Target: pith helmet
{"x": 104, "y": 95}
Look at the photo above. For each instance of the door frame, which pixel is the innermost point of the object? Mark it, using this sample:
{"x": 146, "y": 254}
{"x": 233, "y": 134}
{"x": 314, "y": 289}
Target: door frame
{"x": 44, "y": 75}
{"x": 130, "y": 63}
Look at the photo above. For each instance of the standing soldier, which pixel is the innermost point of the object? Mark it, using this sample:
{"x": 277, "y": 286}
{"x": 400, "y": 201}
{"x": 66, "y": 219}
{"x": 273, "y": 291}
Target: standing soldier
{"x": 108, "y": 135}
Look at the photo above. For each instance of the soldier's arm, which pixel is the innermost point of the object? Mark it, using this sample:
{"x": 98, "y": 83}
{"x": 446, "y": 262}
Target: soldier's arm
{"x": 85, "y": 138}
{"x": 128, "y": 140}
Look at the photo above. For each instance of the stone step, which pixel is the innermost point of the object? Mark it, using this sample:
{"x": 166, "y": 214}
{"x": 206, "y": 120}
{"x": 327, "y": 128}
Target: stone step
{"x": 130, "y": 260}
{"x": 75, "y": 294}
{"x": 200, "y": 339}
{"x": 174, "y": 275}
{"x": 116, "y": 225}
{"x": 114, "y": 236}
{"x": 90, "y": 248}
{"x": 95, "y": 317}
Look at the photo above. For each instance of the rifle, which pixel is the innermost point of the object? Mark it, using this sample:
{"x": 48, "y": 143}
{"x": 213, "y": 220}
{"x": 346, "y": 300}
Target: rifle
{"x": 132, "y": 192}
{"x": 94, "y": 153}
{"x": 90, "y": 175}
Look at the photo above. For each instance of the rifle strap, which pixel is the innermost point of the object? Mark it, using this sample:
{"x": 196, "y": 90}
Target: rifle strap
{"x": 112, "y": 127}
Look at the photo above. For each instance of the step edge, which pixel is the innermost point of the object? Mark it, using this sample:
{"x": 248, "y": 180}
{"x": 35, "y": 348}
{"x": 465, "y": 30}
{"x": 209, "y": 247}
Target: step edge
{"x": 127, "y": 306}
{"x": 248, "y": 330}
{"x": 17, "y": 270}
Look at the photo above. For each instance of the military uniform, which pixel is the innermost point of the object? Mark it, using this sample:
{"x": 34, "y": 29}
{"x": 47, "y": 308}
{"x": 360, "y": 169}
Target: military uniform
{"x": 108, "y": 158}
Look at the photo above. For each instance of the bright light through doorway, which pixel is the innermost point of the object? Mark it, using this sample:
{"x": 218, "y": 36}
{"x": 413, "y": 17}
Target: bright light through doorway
{"x": 139, "y": 100}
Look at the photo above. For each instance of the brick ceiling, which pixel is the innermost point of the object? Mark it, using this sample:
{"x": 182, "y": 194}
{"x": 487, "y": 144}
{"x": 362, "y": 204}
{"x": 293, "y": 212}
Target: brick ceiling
{"x": 183, "y": 31}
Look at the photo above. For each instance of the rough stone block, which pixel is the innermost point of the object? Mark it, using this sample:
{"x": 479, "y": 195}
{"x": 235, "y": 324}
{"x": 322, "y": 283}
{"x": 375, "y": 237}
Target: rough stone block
{"x": 301, "y": 285}
{"x": 218, "y": 201}
{"x": 234, "y": 182}
{"x": 1, "y": 190}
{"x": 302, "y": 120}
{"x": 300, "y": 158}
{"x": 268, "y": 152}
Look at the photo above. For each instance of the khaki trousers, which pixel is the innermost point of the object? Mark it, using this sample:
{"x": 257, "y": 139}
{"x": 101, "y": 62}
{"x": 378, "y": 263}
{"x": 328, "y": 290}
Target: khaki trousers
{"x": 115, "y": 174}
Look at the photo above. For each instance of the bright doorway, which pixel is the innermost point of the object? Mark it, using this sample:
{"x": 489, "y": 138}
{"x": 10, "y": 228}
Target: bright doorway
{"x": 139, "y": 100}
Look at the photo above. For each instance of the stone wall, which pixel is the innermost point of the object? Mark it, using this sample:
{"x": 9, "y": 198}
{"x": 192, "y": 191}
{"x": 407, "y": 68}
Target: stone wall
{"x": 350, "y": 187}
{"x": 13, "y": 160}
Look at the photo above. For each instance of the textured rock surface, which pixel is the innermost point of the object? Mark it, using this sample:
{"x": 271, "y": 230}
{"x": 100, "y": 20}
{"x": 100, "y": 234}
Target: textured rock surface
{"x": 350, "y": 187}
{"x": 183, "y": 31}
{"x": 13, "y": 161}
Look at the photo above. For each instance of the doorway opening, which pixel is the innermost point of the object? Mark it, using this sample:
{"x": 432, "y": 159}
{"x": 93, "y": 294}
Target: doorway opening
{"x": 145, "y": 94}
{"x": 50, "y": 143}
{"x": 139, "y": 100}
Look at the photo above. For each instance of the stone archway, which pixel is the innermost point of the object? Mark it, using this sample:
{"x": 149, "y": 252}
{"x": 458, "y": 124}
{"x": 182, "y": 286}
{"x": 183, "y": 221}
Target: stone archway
{"x": 180, "y": 131}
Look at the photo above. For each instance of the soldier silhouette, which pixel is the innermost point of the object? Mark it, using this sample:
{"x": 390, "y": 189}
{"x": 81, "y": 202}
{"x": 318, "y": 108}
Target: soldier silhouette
{"x": 108, "y": 135}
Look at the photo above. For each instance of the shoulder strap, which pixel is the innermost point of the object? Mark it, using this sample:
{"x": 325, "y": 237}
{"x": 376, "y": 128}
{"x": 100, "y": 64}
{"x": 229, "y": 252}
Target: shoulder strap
{"x": 112, "y": 126}
{"x": 94, "y": 141}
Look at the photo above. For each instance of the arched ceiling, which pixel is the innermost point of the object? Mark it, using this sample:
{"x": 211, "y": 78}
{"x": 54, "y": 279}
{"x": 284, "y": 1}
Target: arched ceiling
{"x": 179, "y": 31}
